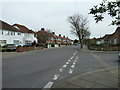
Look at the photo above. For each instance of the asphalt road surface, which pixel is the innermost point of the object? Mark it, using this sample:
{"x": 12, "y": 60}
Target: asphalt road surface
{"x": 44, "y": 68}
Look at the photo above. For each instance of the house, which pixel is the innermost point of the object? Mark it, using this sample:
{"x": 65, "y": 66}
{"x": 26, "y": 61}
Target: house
{"x": 15, "y": 34}
{"x": 28, "y": 35}
{"x": 50, "y": 39}
{"x": 112, "y": 38}
{"x": 109, "y": 39}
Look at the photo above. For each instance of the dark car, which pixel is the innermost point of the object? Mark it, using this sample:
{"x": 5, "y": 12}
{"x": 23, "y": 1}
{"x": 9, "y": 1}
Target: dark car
{"x": 10, "y": 47}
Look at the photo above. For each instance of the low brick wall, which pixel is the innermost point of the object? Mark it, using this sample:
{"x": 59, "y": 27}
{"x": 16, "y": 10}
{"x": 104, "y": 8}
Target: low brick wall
{"x": 23, "y": 49}
{"x": 105, "y": 48}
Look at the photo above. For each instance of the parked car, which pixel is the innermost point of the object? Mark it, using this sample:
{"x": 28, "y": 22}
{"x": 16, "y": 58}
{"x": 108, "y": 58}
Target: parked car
{"x": 10, "y": 47}
{"x": 119, "y": 55}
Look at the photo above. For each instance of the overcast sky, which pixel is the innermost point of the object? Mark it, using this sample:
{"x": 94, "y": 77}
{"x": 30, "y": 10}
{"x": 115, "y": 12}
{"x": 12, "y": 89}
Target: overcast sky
{"x": 53, "y": 15}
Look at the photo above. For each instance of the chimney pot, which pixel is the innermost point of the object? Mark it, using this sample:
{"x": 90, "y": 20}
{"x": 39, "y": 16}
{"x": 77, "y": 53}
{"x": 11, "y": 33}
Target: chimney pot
{"x": 60, "y": 35}
{"x": 42, "y": 29}
{"x": 53, "y": 32}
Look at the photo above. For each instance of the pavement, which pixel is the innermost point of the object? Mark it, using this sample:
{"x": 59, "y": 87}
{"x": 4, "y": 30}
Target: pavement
{"x": 102, "y": 78}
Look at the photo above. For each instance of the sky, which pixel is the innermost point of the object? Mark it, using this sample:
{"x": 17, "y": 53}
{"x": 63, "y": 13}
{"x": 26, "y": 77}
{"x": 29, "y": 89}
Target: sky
{"x": 53, "y": 14}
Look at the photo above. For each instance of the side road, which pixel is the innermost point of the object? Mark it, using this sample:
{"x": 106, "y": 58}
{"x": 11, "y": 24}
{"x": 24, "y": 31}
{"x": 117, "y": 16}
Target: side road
{"x": 102, "y": 78}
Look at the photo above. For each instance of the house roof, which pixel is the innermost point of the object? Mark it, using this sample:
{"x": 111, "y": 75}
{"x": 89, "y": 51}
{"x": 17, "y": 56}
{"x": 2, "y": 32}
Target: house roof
{"x": 6, "y": 26}
{"x": 23, "y": 29}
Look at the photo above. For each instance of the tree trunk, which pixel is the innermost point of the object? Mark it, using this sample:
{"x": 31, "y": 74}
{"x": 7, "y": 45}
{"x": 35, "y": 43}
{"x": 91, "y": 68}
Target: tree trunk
{"x": 81, "y": 44}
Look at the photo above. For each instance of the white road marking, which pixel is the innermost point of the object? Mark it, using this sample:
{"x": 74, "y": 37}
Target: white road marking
{"x": 61, "y": 70}
{"x": 71, "y": 71}
{"x": 74, "y": 54}
{"x": 67, "y": 62}
{"x": 49, "y": 85}
{"x": 74, "y": 63}
{"x": 75, "y": 60}
{"x": 56, "y": 77}
{"x": 71, "y": 57}
{"x": 65, "y": 66}
{"x": 73, "y": 66}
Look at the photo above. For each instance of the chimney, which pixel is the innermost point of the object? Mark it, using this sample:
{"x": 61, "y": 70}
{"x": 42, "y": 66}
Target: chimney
{"x": 42, "y": 29}
{"x": 59, "y": 35}
{"x": 53, "y": 33}
{"x": 118, "y": 23}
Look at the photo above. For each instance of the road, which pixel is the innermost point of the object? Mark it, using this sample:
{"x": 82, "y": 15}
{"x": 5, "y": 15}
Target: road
{"x": 44, "y": 68}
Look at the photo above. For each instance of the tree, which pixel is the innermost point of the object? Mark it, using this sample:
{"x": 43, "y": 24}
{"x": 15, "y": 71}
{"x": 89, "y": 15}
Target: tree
{"x": 43, "y": 36}
{"x": 79, "y": 27}
{"x": 110, "y": 7}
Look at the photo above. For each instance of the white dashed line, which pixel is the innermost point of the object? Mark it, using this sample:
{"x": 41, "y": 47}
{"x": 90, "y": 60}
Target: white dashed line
{"x": 71, "y": 57}
{"x": 67, "y": 62}
{"x": 65, "y": 66}
{"x": 75, "y": 60}
{"x": 49, "y": 85}
{"x": 73, "y": 66}
{"x": 61, "y": 70}
{"x": 74, "y": 63}
{"x": 71, "y": 71}
{"x": 56, "y": 77}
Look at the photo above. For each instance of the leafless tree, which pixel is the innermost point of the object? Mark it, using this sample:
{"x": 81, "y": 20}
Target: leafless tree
{"x": 43, "y": 36}
{"x": 79, "y": 27}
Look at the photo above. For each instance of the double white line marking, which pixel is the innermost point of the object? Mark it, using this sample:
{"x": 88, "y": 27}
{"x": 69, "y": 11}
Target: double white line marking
{"x": 56, "y": 76}
{"x": 50, "y": 84}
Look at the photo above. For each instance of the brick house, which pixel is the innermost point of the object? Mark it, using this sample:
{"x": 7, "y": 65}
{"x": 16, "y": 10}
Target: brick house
{"x": 109, "y": 39}
{"x": 51, "y": 39}
{"x": 112, "y": 38}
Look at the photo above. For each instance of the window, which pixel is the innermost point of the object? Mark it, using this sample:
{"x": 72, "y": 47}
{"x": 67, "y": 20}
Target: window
{"x": 28, "y": 42}
{"x": 3, "y": 42}
{"x": 16, "y": 42}
{"x": 2, "y": 32}
{"x": 11, "y": 33}
{"x": 8, "y": 33}
{"x": 19, "y": 33}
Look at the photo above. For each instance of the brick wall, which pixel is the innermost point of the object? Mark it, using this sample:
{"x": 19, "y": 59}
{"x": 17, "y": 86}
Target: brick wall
{"x": 23, "y": 49}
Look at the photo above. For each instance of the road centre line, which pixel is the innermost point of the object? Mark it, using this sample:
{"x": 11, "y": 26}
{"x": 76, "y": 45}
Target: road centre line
{"x": 56, "y": 76}
{"x": 74, "y": 63}
{"x": 72, "y": 66}
{"x": 65, "y": 66}
{"x": 49, "y": 85}
{"x": 71, "y": 57}
{"x": 75, "y": 60}
{"x": 71, "y": 71}
{"x": 67, "y": 62}
{"x": 61, "y": 70}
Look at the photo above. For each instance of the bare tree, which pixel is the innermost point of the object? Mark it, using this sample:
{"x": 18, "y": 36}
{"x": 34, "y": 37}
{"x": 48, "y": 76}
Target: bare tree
{"x": 79, "y": 27}
{"x": 43, "y": 36}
